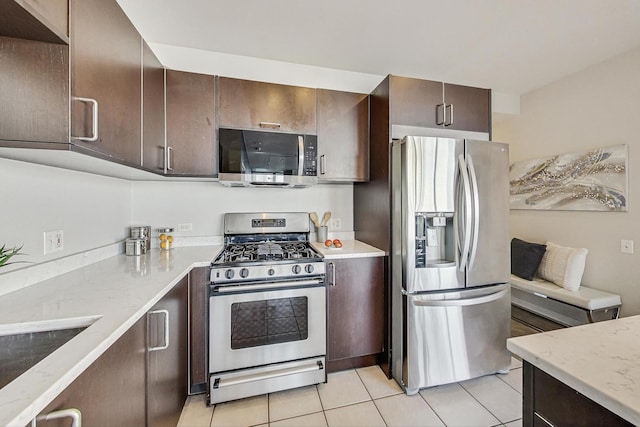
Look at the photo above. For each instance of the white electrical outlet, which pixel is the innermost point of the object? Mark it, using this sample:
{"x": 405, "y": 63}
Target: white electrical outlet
{"x": 53, "y": 241}
{"x": 185, "y": 227}
{"x": 626, "y": 246}
{"x": 335, "y": 224}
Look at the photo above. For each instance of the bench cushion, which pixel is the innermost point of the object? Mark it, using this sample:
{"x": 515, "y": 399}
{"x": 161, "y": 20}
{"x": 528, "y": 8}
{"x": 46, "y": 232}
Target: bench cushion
{"x": 587, "y": 298}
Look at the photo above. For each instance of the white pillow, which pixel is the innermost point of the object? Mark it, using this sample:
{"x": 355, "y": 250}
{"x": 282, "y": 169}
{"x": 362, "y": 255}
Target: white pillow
{"x": 563, "y": 266}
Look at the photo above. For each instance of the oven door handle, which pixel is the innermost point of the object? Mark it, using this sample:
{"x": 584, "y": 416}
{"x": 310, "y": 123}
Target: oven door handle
{"x": 226, "y": 382}
{"x": 267, "y": 286}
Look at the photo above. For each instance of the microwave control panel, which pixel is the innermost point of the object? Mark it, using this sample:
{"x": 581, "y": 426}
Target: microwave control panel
{"x": 310, "y": 167}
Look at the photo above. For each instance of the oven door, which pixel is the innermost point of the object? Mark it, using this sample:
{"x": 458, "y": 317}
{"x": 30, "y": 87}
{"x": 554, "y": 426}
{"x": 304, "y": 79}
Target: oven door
{"x": 253, "y": 326}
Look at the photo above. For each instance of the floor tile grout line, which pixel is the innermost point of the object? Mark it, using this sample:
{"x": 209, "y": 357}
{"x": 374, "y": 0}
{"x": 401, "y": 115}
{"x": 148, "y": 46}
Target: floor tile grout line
{"x": 500, "y": 378}
{"x": 481, "y": 404}
{"x": 434, "y": 411}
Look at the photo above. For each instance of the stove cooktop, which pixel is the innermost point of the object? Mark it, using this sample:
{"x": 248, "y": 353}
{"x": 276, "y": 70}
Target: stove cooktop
{"x": 266, "y": 252}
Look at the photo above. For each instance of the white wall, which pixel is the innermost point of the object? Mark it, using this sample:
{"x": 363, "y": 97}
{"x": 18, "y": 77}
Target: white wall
{"x": 91, "y": 210}
{"x": 203, "y": 204}
{"x": 597, "y": 107}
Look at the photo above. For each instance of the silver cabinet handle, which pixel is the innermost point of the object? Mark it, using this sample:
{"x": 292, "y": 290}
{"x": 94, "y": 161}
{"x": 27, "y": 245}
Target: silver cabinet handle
{"x": 73, "y": 413}
{"x": 441, "y": 118}
{"x": 450, "y": 122}
{"x": 94, "y": 124}
{"x": 169, "y": 158}
{"x": 166, "y": 329}
{"x": 461, "y": 302}
{"x": 300, "y": 155}
{"x": 323, "y": 164}
{"x": 332, "y": 282}
{"x": 270, "y": 125}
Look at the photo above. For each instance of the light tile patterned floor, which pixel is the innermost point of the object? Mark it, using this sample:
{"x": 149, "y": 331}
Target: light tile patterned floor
{"x": 365, "y": 397}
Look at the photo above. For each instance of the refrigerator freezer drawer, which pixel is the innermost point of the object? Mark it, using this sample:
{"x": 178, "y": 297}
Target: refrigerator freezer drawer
{"x": 456, "y": 336}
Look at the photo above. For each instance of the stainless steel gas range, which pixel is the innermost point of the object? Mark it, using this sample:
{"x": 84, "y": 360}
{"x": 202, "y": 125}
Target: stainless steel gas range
{"x": 267, "y": 307}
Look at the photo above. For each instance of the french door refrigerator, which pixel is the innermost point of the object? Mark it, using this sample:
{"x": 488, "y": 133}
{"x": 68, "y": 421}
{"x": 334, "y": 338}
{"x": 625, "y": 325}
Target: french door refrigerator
{"x": 450, "y": 260}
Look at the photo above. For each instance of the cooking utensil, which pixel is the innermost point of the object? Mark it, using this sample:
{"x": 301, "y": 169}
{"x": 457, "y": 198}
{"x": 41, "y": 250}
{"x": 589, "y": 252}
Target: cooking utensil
{"x": 314, "y": 219}
{"x": 325, "y": 218}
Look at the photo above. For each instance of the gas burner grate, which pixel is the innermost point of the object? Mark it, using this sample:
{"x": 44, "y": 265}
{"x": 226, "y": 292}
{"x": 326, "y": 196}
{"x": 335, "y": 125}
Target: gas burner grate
{"x": 266, "y": 251}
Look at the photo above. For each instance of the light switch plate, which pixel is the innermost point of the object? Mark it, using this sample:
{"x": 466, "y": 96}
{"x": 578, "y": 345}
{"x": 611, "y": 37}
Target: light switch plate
{"x": 53, "y": 241}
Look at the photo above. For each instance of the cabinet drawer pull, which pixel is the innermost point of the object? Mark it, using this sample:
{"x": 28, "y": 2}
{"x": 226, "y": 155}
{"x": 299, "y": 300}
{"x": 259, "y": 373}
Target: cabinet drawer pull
{"x": 450, "y": 122}
{"x": 73, "y": 413}
{"x": 332, "y": 282}
{"x": 94, "y": 124}
{"x": 270, "y": 125}
{"x": 441, "y": 114}
{"x": 323, "y": 164}
{"x": 166, "y": 329}
{"x": 169, "y": 158}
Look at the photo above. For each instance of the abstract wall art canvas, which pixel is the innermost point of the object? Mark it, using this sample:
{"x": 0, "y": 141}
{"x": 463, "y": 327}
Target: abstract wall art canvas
{"x": 593, "y": 180}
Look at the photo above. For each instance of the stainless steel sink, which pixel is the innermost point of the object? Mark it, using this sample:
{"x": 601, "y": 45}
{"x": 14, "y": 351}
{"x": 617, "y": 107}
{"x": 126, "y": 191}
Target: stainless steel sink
{"x": 29, "y": 344}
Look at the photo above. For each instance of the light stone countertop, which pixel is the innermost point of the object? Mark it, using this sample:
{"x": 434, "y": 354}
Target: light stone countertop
{"x": 117, "y": 292}
{"x": 600, "y": 360}
{"x": 350, "y": 249}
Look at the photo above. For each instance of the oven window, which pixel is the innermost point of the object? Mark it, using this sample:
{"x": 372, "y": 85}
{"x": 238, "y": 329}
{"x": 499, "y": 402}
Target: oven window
{"x": 258, "y": 323}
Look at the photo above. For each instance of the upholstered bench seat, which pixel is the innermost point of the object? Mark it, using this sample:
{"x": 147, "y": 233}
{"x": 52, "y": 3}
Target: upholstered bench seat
{"x": 568, "y": 308}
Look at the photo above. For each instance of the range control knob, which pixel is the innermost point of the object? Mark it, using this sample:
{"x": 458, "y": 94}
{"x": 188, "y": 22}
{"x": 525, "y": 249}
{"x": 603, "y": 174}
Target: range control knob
{"x": 296, "y": 269}
{"x": 271, "y": 272}
{"x": 244, "y": 272}
{"x": 308, "y": 268}
{"x": 229, "y": 274}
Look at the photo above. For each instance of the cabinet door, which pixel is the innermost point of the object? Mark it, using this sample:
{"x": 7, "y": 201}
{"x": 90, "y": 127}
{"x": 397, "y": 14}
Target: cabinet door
{"x": 152, "y": 111}
{"x": 110, "y": 392}
{"x": 167, "y": 349}
{"x": 343, "y": 136}
{"x": 198, "y": 301}
{"x": 105, "y": 67}
{"x": 247, "y": 104}
{"x": 191, "y": 141}
{"x": 34, "y": 83}
{"x": 414, "y": 102}
{"x": 355, "y": 307}
{"x": 471, "y": 107}
{"x": 40, "y": 20}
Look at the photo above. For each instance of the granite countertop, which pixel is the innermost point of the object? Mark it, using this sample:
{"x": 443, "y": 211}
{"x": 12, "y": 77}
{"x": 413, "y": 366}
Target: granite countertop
{"x": 349, "y": 249}
{"x": 111, "y": 295}
{"x": 600, "y": 360}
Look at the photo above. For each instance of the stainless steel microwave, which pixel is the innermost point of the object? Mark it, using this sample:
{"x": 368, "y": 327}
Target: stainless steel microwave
{"x": 257, "y": 158}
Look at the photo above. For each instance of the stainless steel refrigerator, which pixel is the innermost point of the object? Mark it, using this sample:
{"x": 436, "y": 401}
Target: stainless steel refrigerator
{"x": 450, "y": 260}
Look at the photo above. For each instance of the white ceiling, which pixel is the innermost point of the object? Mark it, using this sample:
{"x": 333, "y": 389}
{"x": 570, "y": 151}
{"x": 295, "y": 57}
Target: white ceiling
{"x": 511, "y": 46}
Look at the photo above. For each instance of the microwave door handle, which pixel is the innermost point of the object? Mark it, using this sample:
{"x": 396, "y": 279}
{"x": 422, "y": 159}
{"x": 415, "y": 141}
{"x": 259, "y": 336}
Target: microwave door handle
{"x": 300, "y": 155}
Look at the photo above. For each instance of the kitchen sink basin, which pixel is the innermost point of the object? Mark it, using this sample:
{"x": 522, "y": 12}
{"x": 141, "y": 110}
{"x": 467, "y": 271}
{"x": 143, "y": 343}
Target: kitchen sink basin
{"x": 23, "y": 346}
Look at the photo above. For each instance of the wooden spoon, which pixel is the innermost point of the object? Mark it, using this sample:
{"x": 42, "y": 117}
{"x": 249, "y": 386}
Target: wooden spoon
{"x": 326, "y": 217}
{"x": 314, "y": 218}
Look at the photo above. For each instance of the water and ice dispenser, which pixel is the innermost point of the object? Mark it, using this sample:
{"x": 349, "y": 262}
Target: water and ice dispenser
{"x": 434, "y": 240}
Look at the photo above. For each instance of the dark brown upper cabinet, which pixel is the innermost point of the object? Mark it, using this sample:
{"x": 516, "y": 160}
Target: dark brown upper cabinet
{"x": 106, "y": 80}
{"x": 191, "y": 129}
{"x": 429, "y": 104}
{"x": 39, "y": 20}
{"x": 246, "y": 104}
{"x": 34, "y": 83}
{"x": 343, "y": 136}
{"x": 152, "y": 111}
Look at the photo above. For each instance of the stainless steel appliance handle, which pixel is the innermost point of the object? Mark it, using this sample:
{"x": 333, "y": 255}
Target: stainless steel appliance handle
{"x": 476, "y": 211}
{"x": 323, "y": 165}
{"x": 267, "y": 286}
{"x": 300, "y": 155}
{"x": 166, "y": 329}
{"x": 450, "y": 122}
{"x": 461, "y": 302}
{"x": 94, "y": 124}
{"x": 169, "y": 158}
{"x": 226, "y": 382}
{"x": 73, "y": 413}
{"x": 466, "y": 230}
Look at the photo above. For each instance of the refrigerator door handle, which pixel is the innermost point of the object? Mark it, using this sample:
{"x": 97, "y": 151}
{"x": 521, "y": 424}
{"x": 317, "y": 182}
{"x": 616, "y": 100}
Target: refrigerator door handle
{"x": 466, "y": 229}
{"x": 461, "y": 302}
{"x": 475, "y": 195}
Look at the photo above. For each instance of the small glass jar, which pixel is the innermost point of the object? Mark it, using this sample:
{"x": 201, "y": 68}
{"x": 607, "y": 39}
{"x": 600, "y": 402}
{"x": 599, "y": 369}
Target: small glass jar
{"x": 166, "y": 238}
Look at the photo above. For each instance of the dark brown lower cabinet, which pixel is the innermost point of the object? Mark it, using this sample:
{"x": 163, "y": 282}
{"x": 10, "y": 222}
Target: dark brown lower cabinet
{"x": 198, "y": 302}
{"x": 110, "y": 392}
{"x": 167, "y": 344}
{"x": 355, "y": 312}
{"x": 549, "y": 402}
{"x": 142, "y": 378}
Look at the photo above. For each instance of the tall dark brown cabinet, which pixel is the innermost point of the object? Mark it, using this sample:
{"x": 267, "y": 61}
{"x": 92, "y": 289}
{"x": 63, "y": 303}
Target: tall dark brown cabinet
{"x": 406, "y": 102}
